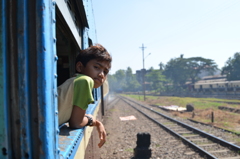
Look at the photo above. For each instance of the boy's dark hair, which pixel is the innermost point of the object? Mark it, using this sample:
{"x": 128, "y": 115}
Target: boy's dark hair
{"x": 97, "y": 52}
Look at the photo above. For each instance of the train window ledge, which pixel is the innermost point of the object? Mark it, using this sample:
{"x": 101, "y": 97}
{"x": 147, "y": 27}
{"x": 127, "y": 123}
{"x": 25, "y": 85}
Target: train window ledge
{"x": 70, "y": 139}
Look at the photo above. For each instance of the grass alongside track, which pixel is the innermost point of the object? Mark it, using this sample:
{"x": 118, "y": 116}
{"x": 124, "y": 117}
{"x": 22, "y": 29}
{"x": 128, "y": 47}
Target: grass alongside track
{"x": 199, "y": 103}
{"x": 203, "y": 109}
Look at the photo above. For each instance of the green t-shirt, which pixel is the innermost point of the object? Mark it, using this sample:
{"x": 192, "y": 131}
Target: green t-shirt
{"x": 74, "y": 91}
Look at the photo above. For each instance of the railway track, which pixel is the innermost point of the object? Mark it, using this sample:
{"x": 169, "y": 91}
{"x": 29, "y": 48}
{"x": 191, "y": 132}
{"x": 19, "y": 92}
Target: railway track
{"x": 207, "y": 145}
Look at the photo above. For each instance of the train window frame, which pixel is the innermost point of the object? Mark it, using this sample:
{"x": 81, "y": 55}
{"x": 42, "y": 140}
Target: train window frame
{"x": 70, "y": 140}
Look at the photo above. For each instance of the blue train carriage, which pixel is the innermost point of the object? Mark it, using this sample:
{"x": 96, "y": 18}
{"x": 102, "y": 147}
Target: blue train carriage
{"x": 39, "y": 42}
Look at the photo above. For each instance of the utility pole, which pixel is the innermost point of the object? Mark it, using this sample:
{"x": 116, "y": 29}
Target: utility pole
{"x": 143, "y": 72}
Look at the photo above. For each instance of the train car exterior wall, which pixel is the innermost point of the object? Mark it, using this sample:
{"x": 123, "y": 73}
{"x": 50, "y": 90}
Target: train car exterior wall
{"x": 33, "y": 35}
{"x": 29, "y": 100}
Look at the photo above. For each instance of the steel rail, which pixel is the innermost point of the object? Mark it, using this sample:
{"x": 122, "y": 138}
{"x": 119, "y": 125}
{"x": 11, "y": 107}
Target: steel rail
{"x": 211, "y": 137}
{"x": 222, "y": 142}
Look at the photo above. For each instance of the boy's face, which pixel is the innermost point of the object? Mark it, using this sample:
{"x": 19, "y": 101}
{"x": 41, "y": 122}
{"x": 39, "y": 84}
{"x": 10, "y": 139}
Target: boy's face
{"x": 97, "y": 70}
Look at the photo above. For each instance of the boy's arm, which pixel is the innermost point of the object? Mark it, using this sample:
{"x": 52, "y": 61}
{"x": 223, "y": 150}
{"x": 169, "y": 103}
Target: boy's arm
{"x": 78, "y": 119}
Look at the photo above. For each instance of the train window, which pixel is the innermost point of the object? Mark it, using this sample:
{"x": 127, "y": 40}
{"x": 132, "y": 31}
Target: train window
{"x": 66, "y": 52}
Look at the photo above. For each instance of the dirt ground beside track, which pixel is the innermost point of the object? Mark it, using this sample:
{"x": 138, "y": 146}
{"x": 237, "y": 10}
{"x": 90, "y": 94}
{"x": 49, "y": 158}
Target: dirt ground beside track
{"x": 122, "y": 135}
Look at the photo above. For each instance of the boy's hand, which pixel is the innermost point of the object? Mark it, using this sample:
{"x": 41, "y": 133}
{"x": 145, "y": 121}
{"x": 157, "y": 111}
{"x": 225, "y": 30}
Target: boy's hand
{"x": 90, "y": 115}
{"x": 101, "y": 133}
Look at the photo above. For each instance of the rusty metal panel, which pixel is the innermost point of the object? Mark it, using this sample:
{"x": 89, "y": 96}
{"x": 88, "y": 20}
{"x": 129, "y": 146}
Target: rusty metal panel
{"x": 31, "y": 63}
{"x": 3, "y": 84}
{"x": 13, "y": 104}
{"x": 46, "y": 78}
{"x": 23, "y": 80}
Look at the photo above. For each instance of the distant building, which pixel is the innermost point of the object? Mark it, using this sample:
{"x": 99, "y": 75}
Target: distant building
{"x": 139, "y": 75}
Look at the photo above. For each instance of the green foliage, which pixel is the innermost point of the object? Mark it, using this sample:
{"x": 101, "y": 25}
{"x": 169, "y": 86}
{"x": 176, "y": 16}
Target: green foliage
{"x": 120, "y": 75}
{"x": 156, "y": 80}
{"x": 161, "y": 65}
{"x": 232, "y": 67}
{"x": 176, "y": 70}
{"x": 196, "y": 65}
{"x": 112, "y": 82}
{"x": 131, "y": 84}
{"x": 179, "y": 70}
{"x": 123, "y": 80}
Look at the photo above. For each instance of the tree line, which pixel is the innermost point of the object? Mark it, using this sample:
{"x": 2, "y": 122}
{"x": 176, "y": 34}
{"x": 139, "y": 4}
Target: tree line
{"x": 172, "y": 75}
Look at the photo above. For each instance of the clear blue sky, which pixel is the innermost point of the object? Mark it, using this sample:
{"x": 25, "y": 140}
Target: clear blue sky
{"x": 167, "y": 28}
